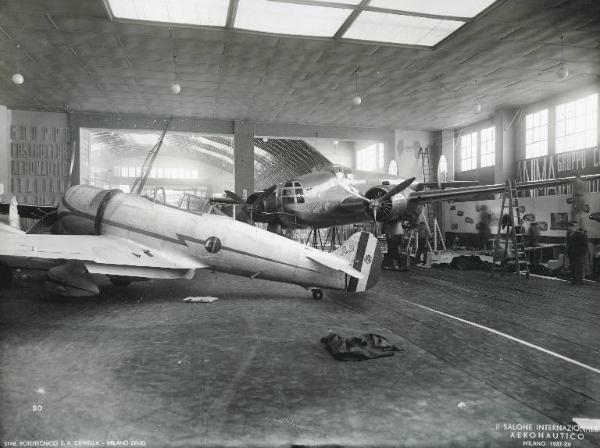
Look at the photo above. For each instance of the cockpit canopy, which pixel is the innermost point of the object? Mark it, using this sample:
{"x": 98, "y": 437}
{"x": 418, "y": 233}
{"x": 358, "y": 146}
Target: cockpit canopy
{"x": 292, "y": 193}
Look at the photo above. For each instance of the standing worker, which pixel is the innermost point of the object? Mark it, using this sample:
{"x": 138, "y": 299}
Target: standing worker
{"x": 485, "y": 218}
{"x": 577, "y": 247}
{"x": 422, "y": 243}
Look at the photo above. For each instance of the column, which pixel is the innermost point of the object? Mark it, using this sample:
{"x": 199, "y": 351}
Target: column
{"x": 5, "y": 187}
{"x": 448, "y": 150}
{"x": 505, "y": 145}
{"x": 243, "y": 157}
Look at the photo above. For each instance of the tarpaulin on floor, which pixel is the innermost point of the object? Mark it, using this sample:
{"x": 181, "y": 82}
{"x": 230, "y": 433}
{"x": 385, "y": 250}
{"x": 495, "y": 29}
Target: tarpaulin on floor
{"x": 358, "y": 348}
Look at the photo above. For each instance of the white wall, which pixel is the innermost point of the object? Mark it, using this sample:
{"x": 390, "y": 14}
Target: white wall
{"x": 341, "y": 154}
{"x": 541, "y": 207}
{"x": 406, "y": 152}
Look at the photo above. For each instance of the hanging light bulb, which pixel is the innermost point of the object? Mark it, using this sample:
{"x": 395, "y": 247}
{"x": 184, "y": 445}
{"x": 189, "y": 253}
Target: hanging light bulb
{"x": 175, "y": 87}
{"x": 356, "y": 100}
{"x": 476, "y": 108}
{"x": 17, "y": 78}
{"x": 562, "y": 71}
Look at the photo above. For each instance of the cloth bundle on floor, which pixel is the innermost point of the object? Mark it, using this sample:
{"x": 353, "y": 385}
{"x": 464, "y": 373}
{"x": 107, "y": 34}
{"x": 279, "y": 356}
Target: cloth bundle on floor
{"x": 358, "y": 348}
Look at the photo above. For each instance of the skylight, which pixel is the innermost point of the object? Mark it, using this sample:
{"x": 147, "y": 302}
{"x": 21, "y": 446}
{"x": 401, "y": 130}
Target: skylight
{"x": 342, "y": 2}
{"x": 454, "y": 8}
{"x": 400, "y": 29}
{"x": 289, "y": 18}
{"x": 403, "y": 22}
{"x": 191, "y": 12}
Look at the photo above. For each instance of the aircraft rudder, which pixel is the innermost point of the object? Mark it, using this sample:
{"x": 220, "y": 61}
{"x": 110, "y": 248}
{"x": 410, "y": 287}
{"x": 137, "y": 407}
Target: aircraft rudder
{"x": 366, "y": 258}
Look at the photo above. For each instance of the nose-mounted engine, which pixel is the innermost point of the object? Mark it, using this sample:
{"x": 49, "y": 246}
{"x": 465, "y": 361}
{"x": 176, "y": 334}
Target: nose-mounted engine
{"x": 82, "y": 209}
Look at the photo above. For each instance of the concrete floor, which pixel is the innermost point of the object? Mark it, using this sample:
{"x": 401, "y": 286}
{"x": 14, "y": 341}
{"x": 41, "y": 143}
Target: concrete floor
{"x": 250, "y": 370}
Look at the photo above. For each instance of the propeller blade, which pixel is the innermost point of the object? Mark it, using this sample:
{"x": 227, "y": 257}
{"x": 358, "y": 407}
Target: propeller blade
{"x": 235, "y": 197}
{"x": 266, "y": 193}
{"x": 397, "y": 189}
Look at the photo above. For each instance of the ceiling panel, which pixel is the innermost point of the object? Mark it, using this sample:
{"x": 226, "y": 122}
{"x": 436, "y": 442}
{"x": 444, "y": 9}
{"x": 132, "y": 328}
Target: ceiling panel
{"x": 505, "y": 57}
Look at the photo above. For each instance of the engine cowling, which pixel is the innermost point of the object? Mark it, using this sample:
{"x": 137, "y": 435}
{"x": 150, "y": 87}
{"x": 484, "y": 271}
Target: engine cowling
{"x": 397, "y": 206}
{"x": 81, "y": 210}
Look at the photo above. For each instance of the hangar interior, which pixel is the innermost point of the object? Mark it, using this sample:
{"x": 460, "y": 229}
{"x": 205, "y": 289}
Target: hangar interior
{"x": 258, "y": 101}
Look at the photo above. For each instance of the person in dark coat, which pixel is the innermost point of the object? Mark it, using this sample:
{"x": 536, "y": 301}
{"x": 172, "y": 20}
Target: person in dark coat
{"x": 485, "y": 218}
{"x": 577, "y": 247}
{"x": 422, "y": 243}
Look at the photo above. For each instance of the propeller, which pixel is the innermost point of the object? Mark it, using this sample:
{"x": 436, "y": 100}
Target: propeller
{"x": 235, "y": 197}
{"x": 265, "y": 193}
{"x": 238, "y": 200}
{"x": 376, "y": 203}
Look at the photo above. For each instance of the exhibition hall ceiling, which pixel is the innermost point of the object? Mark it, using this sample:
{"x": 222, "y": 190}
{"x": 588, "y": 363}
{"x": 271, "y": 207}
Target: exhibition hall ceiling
{"x": 275, "y": 160}
{"x": 75, "y": 56}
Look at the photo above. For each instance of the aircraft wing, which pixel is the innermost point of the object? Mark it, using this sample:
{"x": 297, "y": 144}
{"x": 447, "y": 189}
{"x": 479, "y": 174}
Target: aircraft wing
{"x": 29, "y": 211}
{"x": 450, "y": 194}
{"x": 101, "y": 254}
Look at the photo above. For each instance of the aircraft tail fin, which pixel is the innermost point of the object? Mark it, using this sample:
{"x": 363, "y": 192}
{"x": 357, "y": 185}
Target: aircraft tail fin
{"x": 362, "y": 249}
{"x": 13, "y": 214}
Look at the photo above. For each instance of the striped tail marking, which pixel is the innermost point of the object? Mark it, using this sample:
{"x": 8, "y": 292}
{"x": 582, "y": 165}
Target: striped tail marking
{"x": 367, "y": 260}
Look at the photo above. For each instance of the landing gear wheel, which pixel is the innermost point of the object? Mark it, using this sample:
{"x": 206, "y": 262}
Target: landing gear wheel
{"x": 6, "y": 276}
{"x": 317, "y": 294}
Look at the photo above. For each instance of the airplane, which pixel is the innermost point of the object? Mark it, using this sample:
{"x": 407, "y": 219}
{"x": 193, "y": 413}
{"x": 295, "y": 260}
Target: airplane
{"x": 334, "y": 195}
{"x": 128, "y": 238}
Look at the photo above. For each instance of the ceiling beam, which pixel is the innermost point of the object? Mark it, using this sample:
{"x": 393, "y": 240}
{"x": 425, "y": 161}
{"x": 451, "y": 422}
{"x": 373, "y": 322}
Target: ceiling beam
{"x": 418, "y": 14}
{"x": 351, "y": 18}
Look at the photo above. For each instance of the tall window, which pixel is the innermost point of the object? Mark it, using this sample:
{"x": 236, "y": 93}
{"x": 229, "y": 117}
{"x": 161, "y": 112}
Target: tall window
{"x": 577, "y": 124}
{"x": 488, "y": 147}
{"x": 536, "y": 134}
{"x": 370, "y": 158}
{"x": 468, "y": 152}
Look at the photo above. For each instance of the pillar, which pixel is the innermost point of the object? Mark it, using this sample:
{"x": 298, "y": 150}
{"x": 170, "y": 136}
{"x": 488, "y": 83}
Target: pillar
{"x": 505, "y": 125}
{"x": 243, "y": 157}
{"x": 5, "y": 187}
{"x": 448, "y": 150}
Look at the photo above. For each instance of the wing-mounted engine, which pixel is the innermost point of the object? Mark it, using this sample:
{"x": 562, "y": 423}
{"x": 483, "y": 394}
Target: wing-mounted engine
{"x": 391, "y": 207}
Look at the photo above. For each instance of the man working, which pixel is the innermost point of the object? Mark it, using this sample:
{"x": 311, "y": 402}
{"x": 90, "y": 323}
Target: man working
{"x": 577, "y": 247}
{"x": 422, "y": 243}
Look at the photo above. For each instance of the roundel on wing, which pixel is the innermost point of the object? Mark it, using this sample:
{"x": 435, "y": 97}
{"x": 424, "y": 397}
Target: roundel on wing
{"x": 213, "y": 245}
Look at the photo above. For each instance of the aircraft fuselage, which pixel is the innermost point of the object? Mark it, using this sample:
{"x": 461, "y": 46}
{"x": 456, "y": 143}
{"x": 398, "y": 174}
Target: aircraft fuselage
{"x": 213, "y": 240}
{"x": 317, "y": 199}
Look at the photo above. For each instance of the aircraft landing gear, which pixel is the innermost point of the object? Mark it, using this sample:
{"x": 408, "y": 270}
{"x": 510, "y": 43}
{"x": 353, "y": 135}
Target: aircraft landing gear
{"x": 317, "y": 294}
{"x": 119, "y": 281}
{"x": 6, "y": 276}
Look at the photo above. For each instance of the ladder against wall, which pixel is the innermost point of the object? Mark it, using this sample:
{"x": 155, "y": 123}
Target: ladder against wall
{"x": 435, "y": 240}
{"x": 427, "y": 178}
{"x": 509, "y": 247}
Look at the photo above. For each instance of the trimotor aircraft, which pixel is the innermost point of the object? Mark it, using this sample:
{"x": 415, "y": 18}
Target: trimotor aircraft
{"x": 334, "y": 195}
{"x": 129, "y": 237}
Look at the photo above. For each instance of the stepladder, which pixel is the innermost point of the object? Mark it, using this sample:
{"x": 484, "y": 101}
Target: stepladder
{"x": 509, "y": 244}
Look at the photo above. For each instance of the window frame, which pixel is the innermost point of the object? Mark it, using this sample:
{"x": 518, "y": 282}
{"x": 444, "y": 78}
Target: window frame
{"x": 473, "y": 149}
{"x": 534, "y": 124}
{"x": 567, "y": 112}
{"x": 490, "y": 145}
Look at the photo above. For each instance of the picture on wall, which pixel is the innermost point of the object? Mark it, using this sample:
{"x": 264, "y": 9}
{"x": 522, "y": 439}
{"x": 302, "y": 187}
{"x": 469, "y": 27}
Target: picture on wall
{"x": 559, "y": 221}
